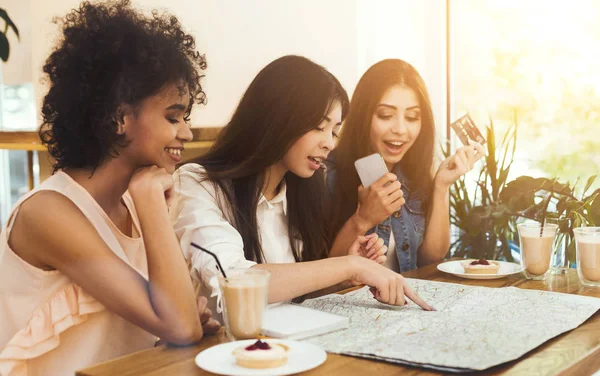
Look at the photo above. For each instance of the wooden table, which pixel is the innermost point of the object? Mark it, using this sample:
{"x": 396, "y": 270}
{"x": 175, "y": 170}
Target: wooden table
{"x": 574, "y": 353}
{"x": 30, "y": 142}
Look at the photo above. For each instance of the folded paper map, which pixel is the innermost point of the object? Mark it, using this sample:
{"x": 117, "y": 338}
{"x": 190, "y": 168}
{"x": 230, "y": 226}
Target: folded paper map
{"x": 474, "y": 328}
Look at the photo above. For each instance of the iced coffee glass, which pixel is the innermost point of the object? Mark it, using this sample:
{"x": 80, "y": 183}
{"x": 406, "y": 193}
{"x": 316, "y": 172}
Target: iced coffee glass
{"x": 244, "y": 295}
{"x": 587, "y": 242}
{"x": 537, "y": 246}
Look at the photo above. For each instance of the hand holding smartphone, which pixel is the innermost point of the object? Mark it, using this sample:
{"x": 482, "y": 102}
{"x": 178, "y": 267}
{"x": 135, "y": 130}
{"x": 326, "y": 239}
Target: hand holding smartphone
{"x": 376, "y": 203}
{"x": 370, "y": 169}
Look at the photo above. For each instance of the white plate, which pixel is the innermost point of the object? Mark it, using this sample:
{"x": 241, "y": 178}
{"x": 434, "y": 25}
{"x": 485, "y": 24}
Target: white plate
{"x": 455, "y": 268}
{"x": 219, "y": 359}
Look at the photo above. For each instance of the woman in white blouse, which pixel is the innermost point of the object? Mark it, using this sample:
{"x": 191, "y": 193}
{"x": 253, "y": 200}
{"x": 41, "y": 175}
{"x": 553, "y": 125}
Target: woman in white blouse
{"x": 258, "y": 197}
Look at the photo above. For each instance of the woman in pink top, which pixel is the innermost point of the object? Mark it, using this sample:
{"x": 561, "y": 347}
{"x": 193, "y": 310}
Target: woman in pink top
{"x": 90, "y": 268}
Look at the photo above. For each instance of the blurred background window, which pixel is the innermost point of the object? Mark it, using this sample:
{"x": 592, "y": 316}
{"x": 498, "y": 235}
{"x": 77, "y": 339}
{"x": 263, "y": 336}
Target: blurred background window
{"x": 533, "y": 62}
{"x": 17, "y": 102}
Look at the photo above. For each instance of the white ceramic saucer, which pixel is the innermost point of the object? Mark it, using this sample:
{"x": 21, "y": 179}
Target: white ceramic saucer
{"x": 455, "y": 268}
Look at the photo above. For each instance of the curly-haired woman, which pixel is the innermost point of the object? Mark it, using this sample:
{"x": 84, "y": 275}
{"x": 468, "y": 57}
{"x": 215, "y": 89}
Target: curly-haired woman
{"x": 89, "y": 266}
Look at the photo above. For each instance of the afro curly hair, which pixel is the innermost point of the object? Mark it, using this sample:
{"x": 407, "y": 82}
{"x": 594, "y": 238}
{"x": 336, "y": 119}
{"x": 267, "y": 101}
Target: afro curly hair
{"x": 111, "y": 54}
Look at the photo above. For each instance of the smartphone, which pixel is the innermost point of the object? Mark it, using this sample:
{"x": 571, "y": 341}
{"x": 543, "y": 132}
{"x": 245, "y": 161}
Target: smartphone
{"x": 466, "y": 130}
{"x": 370, "y": 169}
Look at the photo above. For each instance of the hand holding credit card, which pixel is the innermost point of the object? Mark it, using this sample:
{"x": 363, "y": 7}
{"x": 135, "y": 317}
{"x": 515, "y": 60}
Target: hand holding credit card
{"x": 466, "y": 130}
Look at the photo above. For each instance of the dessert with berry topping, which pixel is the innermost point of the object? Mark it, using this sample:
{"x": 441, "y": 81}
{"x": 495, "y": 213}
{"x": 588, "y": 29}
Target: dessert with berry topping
{"x": 261, "y": 355}
{"x": 480, "y": 266}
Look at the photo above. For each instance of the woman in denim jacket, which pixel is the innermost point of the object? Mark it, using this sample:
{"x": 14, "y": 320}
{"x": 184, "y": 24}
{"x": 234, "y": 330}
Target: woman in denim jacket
{"x": 408, "y": 208}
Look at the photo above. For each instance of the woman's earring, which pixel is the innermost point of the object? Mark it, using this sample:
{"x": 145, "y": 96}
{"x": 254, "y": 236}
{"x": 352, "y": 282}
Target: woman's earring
{"x": 121, "y": 128}
{"x": 119, "y": 118}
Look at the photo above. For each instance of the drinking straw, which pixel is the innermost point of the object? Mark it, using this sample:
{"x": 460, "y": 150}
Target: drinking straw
{"x": 213, "y": 255}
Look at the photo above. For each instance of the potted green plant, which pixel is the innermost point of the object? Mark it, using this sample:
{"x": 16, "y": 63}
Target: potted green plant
{"x": 486, "y": 214}
{"x": 4, "y": 44}
{"x": 484, "y": 223}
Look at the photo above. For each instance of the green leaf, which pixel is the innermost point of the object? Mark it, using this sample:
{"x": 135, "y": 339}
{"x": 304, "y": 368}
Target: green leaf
{"x": 574, "y": 185}
{"x": 503, "y": 176}
{"x": 525, "y": 184}
{"x": 507, "y": 144}
{"x": 481, "y": 181}
{"x": 594, "y": 211}
{"x": 445, "y": 149}
{"x": 545, "y": 202}
{"x": 589, "y": 183}
{"x": 4, "y": 47}
{"x": 556, "y": 187}
{"x": 519, "y": 186}
{"x": 491, "y": 163}
{"x": 485, "y": 194}
{"x": 9, "y": 23}
{"x": 564, "y": 226}
{"x": 561, "y": 206}
{"x": 519, "y": 194}
{"x": 592, "y": 195}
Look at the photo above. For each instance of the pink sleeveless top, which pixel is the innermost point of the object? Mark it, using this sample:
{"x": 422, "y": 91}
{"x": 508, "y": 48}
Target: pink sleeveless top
{"x": 48, "y": 324}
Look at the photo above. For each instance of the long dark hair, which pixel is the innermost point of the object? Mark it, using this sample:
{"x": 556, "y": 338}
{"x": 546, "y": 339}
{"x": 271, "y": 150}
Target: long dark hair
{"x": 416, "y": 164}
{"x": 288, "y": 98}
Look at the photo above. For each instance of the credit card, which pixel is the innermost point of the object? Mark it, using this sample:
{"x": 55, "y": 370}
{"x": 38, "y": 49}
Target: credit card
{"x": 466, "y": 130}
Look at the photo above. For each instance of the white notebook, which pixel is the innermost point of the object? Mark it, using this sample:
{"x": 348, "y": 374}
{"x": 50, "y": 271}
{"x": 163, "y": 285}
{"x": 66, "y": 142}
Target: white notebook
{"x": 291, "y": 321}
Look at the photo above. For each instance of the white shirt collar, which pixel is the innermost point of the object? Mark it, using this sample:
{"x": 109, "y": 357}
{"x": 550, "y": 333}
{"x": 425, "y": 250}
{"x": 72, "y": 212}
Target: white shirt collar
{"x": 280, "y": 197}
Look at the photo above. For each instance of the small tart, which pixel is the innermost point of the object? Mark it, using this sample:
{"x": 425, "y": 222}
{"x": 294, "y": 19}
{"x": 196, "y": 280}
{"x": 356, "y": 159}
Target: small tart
{"x": 261, "y": 355}
{"x": 480, "y": 266}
